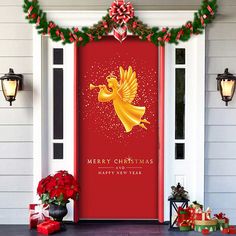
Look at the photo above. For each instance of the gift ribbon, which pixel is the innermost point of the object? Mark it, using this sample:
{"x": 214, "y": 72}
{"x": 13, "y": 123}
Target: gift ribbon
{"x": 40, "y": 212}
{"x": 120, "y": 33}
{"x": 189, "y": 26}
{"x": 51, "y": 26}
{"x": 121, "y": 12}
{"x": 30, "y": 10}
{"x": 210, "y": 10}
{"x": 180, "y": 33}
{"x": 38, "y": 21}
{"x": 205, "y": 214}
{"x": 202, "y": 18}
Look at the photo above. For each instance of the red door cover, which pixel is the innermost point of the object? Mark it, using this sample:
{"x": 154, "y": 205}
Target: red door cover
{"x": 118, "y": 131}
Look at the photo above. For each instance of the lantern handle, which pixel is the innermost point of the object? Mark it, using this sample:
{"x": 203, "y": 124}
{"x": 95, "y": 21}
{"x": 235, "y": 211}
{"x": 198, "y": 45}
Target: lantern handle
{"x": 11, "y": 71}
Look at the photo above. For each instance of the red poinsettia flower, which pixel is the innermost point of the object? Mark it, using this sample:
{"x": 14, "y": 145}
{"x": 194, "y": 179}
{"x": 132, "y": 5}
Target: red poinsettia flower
{"x": 58, "y": 188}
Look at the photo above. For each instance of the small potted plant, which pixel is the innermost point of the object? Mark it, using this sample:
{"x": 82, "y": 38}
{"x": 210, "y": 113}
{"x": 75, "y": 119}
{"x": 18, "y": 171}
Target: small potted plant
{"x": 56, "y": 190}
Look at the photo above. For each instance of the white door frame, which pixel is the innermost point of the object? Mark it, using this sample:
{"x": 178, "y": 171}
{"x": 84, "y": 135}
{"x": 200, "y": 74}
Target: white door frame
{"x": 190, "y": 171}
{"x": 81, "y": 18}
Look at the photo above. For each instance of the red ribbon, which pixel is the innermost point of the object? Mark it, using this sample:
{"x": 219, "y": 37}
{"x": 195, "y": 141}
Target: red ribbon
{"x": 120, "y": 33}
{"x": 203, "y": 19}
{"x": 121, "y": 12}
{"x": 58, "y": 32}
{"x": 38, "y": 21}
{"x": 180, "y": 33}
{"x": 30, "y": 10}
{"x": 50, "y": 26}
{"x": 149, "y": 37}
{"x": 90, "y": 37}
{"x": 210, "y": 10}
{"x": 76, "y": 30}
{"x": 166, "y": 37}
{"x": 189, "y": 26}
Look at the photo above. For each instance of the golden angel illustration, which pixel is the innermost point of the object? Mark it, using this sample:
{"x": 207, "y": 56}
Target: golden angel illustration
{"x": 122, "y": 93}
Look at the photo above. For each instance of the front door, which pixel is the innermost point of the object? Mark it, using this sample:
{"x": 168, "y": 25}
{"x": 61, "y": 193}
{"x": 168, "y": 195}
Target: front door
{"x": 118, "y": 129}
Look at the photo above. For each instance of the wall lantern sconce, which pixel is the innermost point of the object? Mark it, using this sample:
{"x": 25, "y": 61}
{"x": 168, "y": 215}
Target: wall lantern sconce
{"x": 11, "y": 83}
{"x": 226, "y": 85}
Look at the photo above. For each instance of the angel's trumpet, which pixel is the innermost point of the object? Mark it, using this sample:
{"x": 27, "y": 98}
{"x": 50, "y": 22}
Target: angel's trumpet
{"x": 92, "y": 86}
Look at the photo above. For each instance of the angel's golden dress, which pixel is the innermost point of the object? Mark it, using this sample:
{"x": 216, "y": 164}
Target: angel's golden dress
{"x": 122, "y": 94}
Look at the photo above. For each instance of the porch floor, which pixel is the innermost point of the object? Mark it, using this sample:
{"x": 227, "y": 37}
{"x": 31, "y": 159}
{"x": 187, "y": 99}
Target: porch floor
{"x": 100, "y": 229}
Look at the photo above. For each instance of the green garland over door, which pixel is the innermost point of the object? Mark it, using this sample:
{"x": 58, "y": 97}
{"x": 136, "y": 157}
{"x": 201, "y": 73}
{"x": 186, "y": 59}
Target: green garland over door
{"x": 120, "y": 19}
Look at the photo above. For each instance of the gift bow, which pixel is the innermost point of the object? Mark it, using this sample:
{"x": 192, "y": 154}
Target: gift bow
{"x": 220, "y": 216}
{"x": 40, "y": 212}
{"x": 121, "y": 12}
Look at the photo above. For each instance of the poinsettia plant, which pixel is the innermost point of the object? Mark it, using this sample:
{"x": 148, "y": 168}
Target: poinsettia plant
{"x": 58, "y": 188}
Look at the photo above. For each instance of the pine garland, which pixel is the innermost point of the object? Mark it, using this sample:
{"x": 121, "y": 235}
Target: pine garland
{"x": 202, "y": 18}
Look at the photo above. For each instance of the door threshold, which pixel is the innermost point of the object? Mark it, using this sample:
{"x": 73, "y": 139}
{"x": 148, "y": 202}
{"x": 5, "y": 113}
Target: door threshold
{"x": 119, "y": 221}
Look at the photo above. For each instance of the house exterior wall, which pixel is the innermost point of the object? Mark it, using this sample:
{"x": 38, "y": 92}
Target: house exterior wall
{"x": 16, "y": 123}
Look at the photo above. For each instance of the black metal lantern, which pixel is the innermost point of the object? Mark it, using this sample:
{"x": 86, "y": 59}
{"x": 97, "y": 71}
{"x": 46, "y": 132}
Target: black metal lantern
{"x": 226, "y": 85}
{"x": 11, "y": 83}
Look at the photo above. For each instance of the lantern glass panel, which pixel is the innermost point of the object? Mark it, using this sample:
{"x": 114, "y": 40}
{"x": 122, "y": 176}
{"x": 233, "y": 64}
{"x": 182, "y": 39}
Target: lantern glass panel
{"x": 10, "y": 87}
{"x": 227, "y": 87}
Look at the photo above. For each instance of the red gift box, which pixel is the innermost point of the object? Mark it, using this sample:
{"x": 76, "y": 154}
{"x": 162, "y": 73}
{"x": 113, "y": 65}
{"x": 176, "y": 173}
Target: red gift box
{"x": 183, "y": 215}
{"x": 232, "y": 230}
{"x": 205, "y": 231}
{"x": 48, "y": 227}
{"x": 225, "y": 231}
{"x": 38, "y": 213}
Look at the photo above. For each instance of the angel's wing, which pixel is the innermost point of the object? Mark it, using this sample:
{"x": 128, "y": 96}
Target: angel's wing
{"x": 128, "y": 84}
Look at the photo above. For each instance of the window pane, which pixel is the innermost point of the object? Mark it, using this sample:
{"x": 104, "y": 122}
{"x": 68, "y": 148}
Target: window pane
{"x": 58, "y": 103}
{"x": 58, "y": 151}
{"x": 179, "y": 151}
{"x": 179, "y": 103}
{"x": 58, "y": 56}
{"x": 180, "y": 56}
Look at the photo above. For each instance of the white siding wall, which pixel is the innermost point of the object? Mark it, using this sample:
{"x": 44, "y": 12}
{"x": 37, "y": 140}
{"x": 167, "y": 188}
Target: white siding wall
{"x": 16, "y": 122}
{"x": 220, "y": 156}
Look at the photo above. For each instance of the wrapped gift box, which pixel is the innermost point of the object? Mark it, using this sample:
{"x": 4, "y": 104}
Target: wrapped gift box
{"x": 38, "y": 213}
{"x": 211, "y": 225}
{"x": 48, "y": 227}
{"x": 183, "y": 215}
{"x": 230, "y": 230}
{"x": 223, "y": 221}
{"x": 202, "y": 215}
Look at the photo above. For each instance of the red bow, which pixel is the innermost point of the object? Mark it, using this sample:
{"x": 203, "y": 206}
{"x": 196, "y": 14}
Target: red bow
{"x": 189, "y": 26}
{"x": 121, "y": 12}
{"x": 51, "y": 26}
